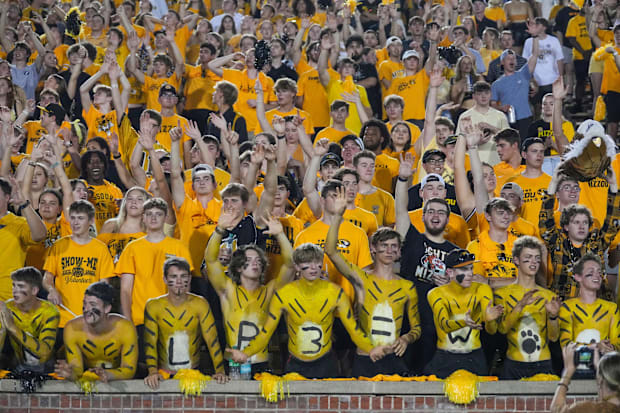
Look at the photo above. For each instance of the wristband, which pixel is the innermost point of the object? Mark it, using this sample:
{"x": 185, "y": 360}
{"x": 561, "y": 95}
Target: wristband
{"x": 282, "y": 137}
{"x": 563, "y": 384}
{"x": 402, "y": 179}
{"x": 22, "y": 206}
{"x": 116, "y": 156}
{"x": 55, "y": 164}
{"x": 220, "y": 231}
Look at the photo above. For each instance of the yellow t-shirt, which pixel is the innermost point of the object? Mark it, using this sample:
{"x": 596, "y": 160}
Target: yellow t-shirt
{"x": 99, "y": 124}
{"x": 145, "y": 260}
{"x": 196, "y": 224}
{"x": 308, "y": 125}
{"x": 390, "y": 70}
{"x": 578, "y": 29}
{"x": 362, "y": 218}
{"x": 247, "y": 91}
{"x": 292, "y": 226}
{"x": 315, "y": 97}
{"x": 167, "y": 123}
{"x": 74, "y": 267}
{"x": 105, "y": 198}
{"x": 529, "y": 333}
{"x": 386, "y": 169}
{"x": 352, "y": 244}
{"x": 493, "y": 260}
{"x": 533, "y": 189}
{"x": 413, "y": 89}
{"x": 503, "y": 172}
{"x": 116, "y": 242}
{"x": 495, "y": 14}
{"x": 611, "y": 74}
{"x": 332, "y": 134}
{"x": 199, "y": 89}
{"x": 518, "y": 227}
{"x": 304, "y": 213}
{"x": 335, "y": 89}
{"x": 151, "y": 89}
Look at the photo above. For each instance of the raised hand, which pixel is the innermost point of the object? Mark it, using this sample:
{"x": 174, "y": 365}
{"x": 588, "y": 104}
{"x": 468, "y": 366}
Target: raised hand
{"x": 258, "y": 155}
{"x": 113, "y": 140}
{"x": 271, "y": 152}
{"x": 218, "y": 121}
{"x": 232, "y": 137}
{"x": 274, "y": 225}
{"x": 433, "y": 33}
{"x": 176, "y": 133}
{"x": 227, "y": 219}
{"x": 436, "y": 77}
{"x": 193, "y": 131}
{"x": 258, "y": 87}
{"x": 406, "y": 168}
{"x": 133, "y": 41}
{"x": 340, "y": 201}
{"x": 114, "y": 71}
{"x": 278, "y": 124}
{"x": 558, "y": 90}
{"x": 353, "y": 97}
{"x": 321, "y": 147}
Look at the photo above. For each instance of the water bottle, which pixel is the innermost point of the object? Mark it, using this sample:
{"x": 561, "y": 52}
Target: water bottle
{"x": 245, "y": 371}
{"x": 512, "y": 116}
{"x": 234, "y": 370}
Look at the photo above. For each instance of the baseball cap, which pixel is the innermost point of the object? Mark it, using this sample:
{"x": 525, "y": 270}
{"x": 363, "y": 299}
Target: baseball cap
{"x": 513, "y": 186}
{"x": 432, "y": 152}
{"x": 591, "y": 129}
{"x": 506, "y": 53}
{"x": 450, "y": 140}
{"x": 459, "y": 258}
{"x": 530, "y": 141}
{"x": 54, "y": 109}
{"x": 432, "y": 178}
{"x": 202, "y": 167}
{"x": 392, "y": 40}
{"x": 331, "y": 157}
{"x": 167, "y": 88}
{"x": 353, "y": 138}
{"x": 411, "y": 53}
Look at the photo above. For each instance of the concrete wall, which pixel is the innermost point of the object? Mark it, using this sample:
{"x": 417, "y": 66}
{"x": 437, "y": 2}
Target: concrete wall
{"x": 321, "y": 396}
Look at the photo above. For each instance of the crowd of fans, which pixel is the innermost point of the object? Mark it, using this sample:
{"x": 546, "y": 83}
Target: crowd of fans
{"x": 334, "y": 188}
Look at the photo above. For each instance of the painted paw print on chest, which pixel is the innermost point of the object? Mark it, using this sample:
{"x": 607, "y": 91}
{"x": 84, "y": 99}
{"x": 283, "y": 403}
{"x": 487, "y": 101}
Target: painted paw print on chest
{"x": 530, "y": 341}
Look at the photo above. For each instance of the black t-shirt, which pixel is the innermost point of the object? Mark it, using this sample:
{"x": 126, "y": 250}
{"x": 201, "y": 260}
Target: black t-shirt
{"x": 561, "y": 22}
{"x": 76, "y": 108}
{"x": 281, "y": 72}
{"x": 541, "y": 129}
{"x": 366, "y": 71}
{"x": 420, "y": 258}
{"x": 483, "y": 24}
{"x": 236, "y": 120}
{"x": 415, "y": 201}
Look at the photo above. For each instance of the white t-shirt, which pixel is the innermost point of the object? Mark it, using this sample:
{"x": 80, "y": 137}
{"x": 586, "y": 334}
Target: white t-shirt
{"x": 549, "y": 52}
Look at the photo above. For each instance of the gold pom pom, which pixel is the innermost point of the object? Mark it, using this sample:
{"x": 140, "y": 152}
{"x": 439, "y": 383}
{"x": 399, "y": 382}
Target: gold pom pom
{"x": 461, "y": 387}
{"x": 542, "y": 377}
{"x": 87, "y": 382}
{"x": 191, "y": 382}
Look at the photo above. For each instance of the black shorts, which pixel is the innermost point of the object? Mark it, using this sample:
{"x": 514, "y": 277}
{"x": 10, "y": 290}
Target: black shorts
{"x": 388, "y": 365}
{"x": 321, "y": 368}
{"x": 612, "y": 101}
{"x": 519, "y": 33}
{"x": 581, "y": 69}
{"x": 517, "y": 370}
{"x": 445, "y": 363}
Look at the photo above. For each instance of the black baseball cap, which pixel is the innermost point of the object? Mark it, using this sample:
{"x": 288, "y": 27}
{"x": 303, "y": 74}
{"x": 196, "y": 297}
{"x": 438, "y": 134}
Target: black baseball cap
{"x": 353, "y": 138}
{"x": 459, "y": 258}
{"x": 530, "y": 141}
{"x": 54, "y": 109}
{"x": 331, "y": 157}
{"x": 432, "y": 152}
{"x": 167, "y": 88}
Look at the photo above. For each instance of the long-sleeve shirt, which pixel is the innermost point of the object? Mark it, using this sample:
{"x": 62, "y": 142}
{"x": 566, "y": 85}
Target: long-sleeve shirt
{"x": 562, "y": 251}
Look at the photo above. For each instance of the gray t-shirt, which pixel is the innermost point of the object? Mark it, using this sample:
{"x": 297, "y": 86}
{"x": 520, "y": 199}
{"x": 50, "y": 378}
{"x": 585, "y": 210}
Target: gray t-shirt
{"x": 26, "y": 78}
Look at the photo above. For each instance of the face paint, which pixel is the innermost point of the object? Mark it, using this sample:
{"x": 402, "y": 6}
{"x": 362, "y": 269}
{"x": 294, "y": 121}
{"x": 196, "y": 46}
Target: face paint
{"x": 460, "y": 278}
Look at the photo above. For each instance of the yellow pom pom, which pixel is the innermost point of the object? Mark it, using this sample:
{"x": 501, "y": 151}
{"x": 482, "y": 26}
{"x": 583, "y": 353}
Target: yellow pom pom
{"x": 3, "y": 373}
{"x": 352, "y": 5}
{"x": 191, "y": 382}
{"x": 542, "y": 377}
{"x": 87, "y": 382}
{"x": 461, "y": 387}
{"x": 272, "y": 387}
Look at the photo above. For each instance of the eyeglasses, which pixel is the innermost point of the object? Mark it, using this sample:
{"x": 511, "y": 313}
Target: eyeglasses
{"x": 436, "y": 161}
